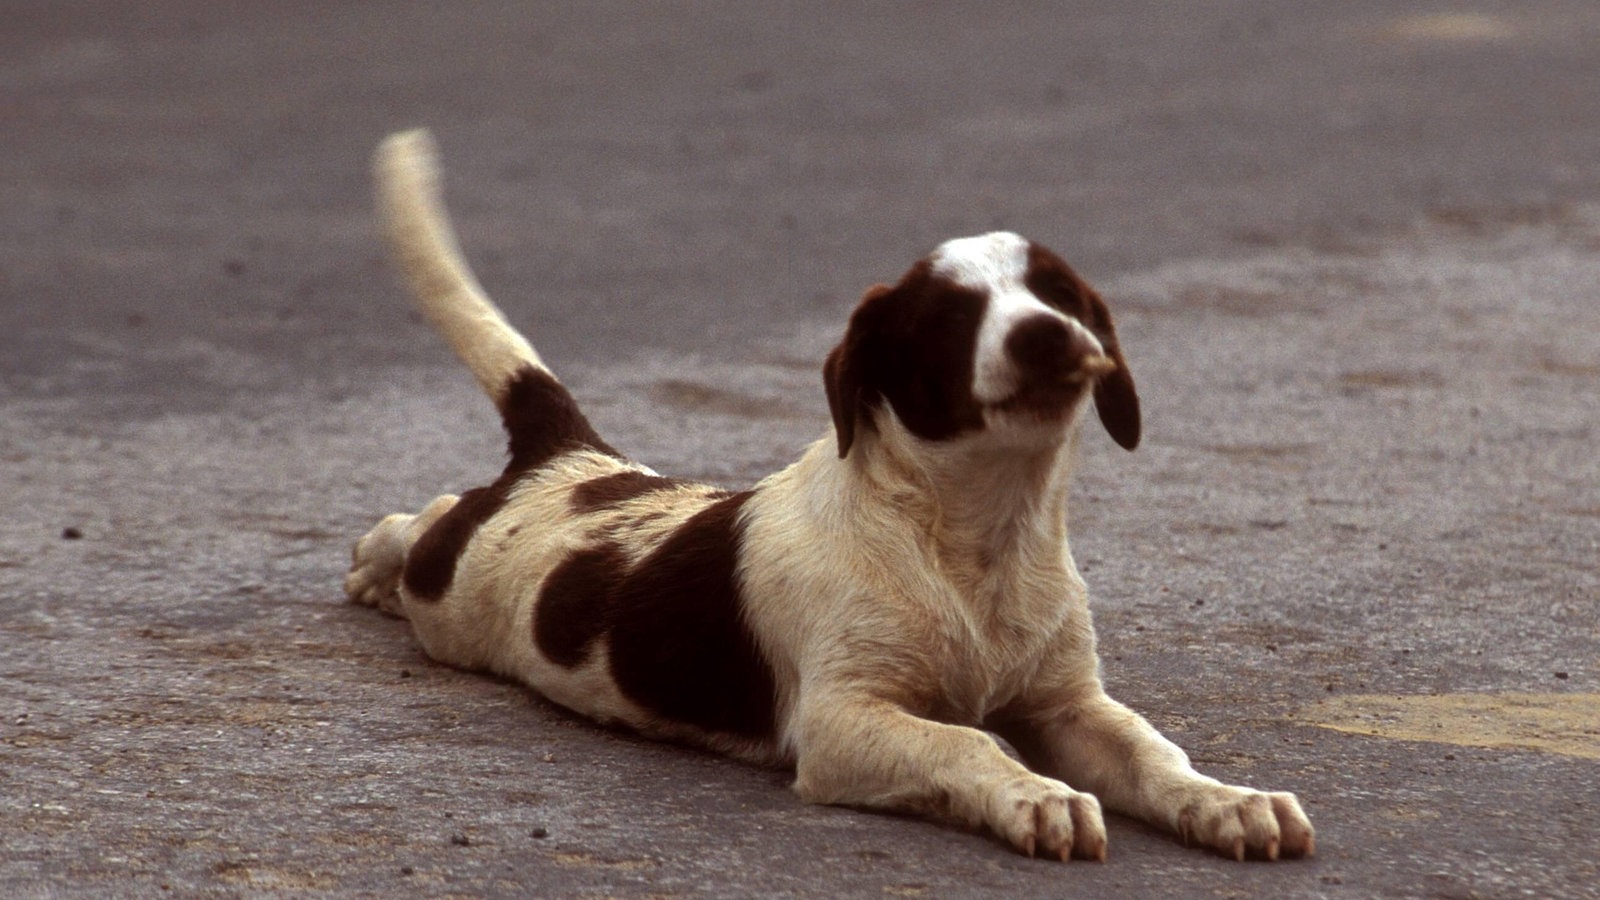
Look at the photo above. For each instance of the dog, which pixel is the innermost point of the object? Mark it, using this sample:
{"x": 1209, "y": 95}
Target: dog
{"x": 870, "y": 616}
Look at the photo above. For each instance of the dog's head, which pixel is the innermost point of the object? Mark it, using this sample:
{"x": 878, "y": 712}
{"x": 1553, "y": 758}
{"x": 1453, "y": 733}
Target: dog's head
{"x": 988, "y": 333}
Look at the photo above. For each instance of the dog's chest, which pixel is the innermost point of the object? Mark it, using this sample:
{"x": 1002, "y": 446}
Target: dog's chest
{"x": 997, "y": 638}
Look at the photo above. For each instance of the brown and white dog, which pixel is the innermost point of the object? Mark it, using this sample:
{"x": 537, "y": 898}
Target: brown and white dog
{"x": 868, "y": 615}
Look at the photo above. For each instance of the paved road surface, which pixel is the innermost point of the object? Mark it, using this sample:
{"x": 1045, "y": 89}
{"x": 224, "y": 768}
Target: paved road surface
{"x": 1354, "y": 250}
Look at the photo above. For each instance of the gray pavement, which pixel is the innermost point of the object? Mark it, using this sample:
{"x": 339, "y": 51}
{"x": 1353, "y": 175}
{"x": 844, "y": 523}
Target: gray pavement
{"x": 1354, "y": 251}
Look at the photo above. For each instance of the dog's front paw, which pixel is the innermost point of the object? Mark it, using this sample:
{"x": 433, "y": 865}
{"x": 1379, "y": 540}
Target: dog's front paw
{"x": 1238, "y": 821}
{"x": 1041, "y": 816}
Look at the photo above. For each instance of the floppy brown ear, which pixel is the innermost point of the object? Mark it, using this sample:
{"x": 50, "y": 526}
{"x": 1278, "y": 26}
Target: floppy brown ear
{"x": 1115, "y": 398}
{"x": 844, "y": 375}
{"x": 844, "y": 395}
{"x": 1118, "y": 404}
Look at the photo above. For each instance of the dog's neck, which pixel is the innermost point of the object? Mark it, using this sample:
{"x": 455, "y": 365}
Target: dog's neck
{"x": 976, "y": 506}
{"x": 988, "y": 505}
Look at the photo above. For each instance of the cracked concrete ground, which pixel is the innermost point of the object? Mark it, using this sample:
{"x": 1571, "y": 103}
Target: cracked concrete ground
{"x": 1354, "y": 255}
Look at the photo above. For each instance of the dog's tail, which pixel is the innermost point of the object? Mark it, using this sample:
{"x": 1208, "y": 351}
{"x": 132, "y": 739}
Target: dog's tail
{"x": 540, "y": 416}
{"x": 406, "y": 168}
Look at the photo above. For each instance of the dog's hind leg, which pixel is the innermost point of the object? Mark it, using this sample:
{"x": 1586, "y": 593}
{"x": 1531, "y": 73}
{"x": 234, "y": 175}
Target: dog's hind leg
{"x": 379, "y": 558}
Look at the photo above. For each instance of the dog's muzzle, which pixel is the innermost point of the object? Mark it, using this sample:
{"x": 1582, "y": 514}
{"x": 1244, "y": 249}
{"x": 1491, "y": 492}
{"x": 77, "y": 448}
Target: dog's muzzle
{"x": 1055, "y": 363}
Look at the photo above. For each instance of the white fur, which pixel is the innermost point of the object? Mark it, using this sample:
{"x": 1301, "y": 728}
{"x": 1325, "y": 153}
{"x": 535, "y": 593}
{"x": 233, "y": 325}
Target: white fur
{"x": 997, "y": 263}
{"x": 997, "y": 260}
{"x": 907, "y": 597}
{"x": 407, "y": 175}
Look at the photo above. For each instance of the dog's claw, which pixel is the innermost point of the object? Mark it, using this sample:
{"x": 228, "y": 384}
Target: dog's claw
{"x": 1239, "y": 823}
{"x": 1045, "y": 819}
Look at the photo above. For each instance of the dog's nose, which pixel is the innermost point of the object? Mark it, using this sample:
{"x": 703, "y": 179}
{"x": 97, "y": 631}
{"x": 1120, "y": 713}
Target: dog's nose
{"x": 1045, "y": 346}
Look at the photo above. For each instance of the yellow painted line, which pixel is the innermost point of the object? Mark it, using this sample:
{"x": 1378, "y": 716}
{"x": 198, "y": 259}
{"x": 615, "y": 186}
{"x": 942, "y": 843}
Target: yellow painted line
{"x": 1450, "y": 28}
{"x": 1568, "y": 724}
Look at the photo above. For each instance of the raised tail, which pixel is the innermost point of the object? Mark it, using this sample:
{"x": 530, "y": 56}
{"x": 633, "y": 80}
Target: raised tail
{"x": 540, "y": 417}
{"x": 406, "y": 169}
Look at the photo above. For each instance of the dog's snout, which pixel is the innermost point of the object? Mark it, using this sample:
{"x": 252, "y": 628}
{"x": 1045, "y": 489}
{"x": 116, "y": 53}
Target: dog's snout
{"x": 1046, "y": 346}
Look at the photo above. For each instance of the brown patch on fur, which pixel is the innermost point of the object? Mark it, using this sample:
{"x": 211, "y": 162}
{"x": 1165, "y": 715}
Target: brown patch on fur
{"x": 1053, "y": 361}
{"x": 431, "y": 564}
{"x": 542, "y": 421}
{"x": 679, "y": 643}
{"x": 612, "y": 490}
{"x": 674, "y": 621}
{"x": 574, "y": 606}
{"x": 911, "y": 345}
{"x": 1115, "y": 398}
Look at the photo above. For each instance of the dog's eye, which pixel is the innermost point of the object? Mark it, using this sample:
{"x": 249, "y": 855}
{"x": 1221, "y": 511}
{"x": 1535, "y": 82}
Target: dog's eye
{"x": 1059, "y": 294}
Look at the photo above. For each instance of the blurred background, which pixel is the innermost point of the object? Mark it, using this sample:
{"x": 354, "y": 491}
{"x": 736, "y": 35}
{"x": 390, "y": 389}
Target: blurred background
{"x": 1352, "y": 249}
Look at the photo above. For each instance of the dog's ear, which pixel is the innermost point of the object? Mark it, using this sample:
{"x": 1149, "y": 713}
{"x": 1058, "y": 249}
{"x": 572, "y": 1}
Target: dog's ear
{"x": 844, "y": 373}
{"x": 844, "y": 395}
{"x": 1118, "y": 404}
{"x": 1115, "y": 398}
